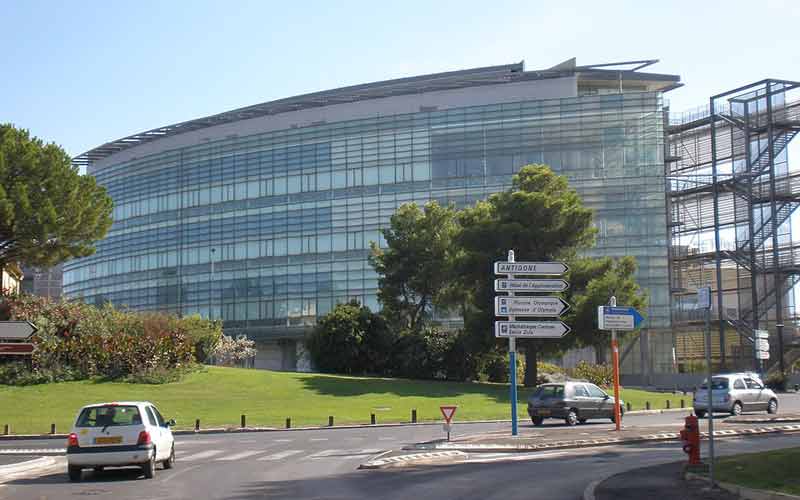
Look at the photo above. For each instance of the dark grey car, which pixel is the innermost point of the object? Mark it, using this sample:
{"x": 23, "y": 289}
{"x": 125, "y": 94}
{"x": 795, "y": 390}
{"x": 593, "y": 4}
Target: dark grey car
{"x": 574, "y": 401}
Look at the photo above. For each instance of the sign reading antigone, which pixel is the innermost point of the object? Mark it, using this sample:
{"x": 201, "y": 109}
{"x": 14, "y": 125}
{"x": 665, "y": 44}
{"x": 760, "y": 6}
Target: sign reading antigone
{"x": 531, "y": 268}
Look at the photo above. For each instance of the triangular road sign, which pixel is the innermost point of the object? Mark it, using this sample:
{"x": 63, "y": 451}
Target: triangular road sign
{"x": 448, "y": 412}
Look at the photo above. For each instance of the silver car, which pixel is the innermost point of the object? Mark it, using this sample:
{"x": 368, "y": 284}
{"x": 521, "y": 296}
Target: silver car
{"x": 734, "y": 393}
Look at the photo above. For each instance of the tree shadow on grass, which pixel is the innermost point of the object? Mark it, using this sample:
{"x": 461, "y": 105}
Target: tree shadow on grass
{"x": 362, "y": 386}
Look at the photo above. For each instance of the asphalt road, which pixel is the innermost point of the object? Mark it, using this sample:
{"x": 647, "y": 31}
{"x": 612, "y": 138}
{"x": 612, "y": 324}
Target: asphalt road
{"x": 322, "y": 464}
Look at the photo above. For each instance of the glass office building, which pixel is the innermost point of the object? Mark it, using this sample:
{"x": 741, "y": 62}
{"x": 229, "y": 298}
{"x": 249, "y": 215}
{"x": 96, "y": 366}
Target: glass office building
{"x": 263, "y": 216}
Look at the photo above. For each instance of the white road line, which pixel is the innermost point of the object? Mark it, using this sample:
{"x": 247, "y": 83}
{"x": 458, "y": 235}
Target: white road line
{"x": 318, "y": 439}
{"x": 324, "y": 454}
{"x": 387, "y": 439}
{"x": 281, "y": 455}
{"x": 241, "y": 455}
{"x": 200, "y": 456}
{"x": 283, "y": 440}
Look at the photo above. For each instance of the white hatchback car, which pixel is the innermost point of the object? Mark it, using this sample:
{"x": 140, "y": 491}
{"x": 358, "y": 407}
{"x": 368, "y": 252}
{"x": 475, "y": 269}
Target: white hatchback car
{"x": 118, "y": 435}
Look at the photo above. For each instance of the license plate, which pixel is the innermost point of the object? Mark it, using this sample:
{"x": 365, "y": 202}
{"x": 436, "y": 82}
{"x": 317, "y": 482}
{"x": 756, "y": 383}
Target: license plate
{"x": 543, "y": 413}
{"x": 108, "y": 440}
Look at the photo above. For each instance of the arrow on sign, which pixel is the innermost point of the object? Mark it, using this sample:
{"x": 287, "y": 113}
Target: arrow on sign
{"x": 448, "y": 412}
{"x": 531, "y": 329}
{"x": 16, "y": 330}
{"x": 618, "y": 318}
{"x": 532, "y": 268}
{"x": 530, "y": 306}
{"x": 543, "y": 285}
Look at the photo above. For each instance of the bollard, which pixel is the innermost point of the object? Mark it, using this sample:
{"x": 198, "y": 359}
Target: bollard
{"x": 52, "y": 428}
{"x": 330, "y": 420}
{"x": 683, "y": 404}
{"x": 414, "y": 416}
{"x": 796, "y": 387}
{"x": 669, "y": 404}
{"x": 647, "y": 405}
{"x": 372, "y": 418}
{"x": 196, "y": 424}
{"x": 288, "y": 422}
{"x": 6, "y": 430}
{"x": 628, "y": 405}
{"x": 244, "y": 421}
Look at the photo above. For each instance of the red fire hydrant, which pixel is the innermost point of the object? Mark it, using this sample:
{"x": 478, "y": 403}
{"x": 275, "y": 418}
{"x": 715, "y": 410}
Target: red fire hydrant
{"x": 690, "y": 437}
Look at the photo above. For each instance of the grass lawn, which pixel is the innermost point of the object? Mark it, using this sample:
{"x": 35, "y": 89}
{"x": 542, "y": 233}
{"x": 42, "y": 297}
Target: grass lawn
{"x": 218, "y": 396}
{"x": 775, "y": 470}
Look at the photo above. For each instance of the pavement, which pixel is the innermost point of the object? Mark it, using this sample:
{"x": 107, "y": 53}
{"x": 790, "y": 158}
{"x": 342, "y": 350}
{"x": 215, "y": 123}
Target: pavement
{"x": 664, "y": 481}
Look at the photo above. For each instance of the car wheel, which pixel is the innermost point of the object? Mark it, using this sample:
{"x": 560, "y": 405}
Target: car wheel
{"x": 571, "y": 418}
{"x": 700, "y": 413}
{"x": 149, "y": 468}
{"x": 537, "y": 421}
{"x": 75, "y": 473}
{"x": 772, "y": 407}
{"x": 736, "y": 409}
{"x": 170, "y": 462}
{"x": 99, "y": 468}
{"x": 614, "y": 420}
{"x": 582, "y": 420}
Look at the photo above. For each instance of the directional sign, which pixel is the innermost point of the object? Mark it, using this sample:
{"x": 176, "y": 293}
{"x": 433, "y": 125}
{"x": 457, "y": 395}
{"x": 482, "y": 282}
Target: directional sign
{"x": 762, "y": 334}
{"x": 532, "y": 268}
{"x": 762, "y": 345}
{"x": 16, "y": 330}
{"x": 618, "y": 318}
{"x": 531, "y": 329}
{"x": 762, "y": 354}
{"x": 543, "y": 285}
{"x": 530, "y": 306}
{"x": 448, "y": 412}
{"x": 17, "y": 348}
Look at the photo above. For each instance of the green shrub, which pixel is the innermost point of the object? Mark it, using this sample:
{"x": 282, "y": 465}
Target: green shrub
{"x": 777, "y": 381}
{"x": 601, "y": 375}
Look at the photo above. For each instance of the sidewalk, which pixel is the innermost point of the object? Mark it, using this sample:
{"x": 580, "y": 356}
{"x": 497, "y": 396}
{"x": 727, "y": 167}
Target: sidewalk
{"x": 662, "y": 481}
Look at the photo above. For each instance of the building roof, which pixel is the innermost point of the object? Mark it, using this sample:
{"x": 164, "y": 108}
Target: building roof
{"x": 489, "y": 75}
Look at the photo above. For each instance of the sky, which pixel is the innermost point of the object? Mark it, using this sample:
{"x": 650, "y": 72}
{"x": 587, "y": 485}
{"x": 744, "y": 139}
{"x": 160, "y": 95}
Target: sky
{"x": 82, "y": 73}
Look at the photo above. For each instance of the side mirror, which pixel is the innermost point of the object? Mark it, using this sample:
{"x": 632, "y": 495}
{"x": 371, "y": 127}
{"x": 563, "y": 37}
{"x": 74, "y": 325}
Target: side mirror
{"x": 171, "y": 422}
{"x": 607, "y": 397}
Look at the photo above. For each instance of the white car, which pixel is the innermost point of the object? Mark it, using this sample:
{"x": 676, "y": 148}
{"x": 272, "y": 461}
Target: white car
{"x": 118, "y": 435}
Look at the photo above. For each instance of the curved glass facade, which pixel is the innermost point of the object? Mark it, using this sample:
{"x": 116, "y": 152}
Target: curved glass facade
{"x": 268, "y": 231}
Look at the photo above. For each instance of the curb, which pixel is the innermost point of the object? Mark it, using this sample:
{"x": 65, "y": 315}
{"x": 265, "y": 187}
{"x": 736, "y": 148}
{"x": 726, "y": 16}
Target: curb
{"x": 401, "y": 460}
{"x": 238, "y": 430}
{"x": 589, "y": 443}
{"x": 588, "y": 492}
{"x": 744, "y": 492}
{"x": 234, "y": 430}
{"x": 29, "y": 465}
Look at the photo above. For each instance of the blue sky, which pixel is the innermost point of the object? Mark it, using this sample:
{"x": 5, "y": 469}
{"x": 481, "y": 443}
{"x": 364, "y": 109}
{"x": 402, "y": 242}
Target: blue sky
{"x": 85, "y": 72}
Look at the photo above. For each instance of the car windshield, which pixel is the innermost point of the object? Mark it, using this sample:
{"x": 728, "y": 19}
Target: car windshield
{"x": 109, "y": 416}
{"x": 550, "y": 391}
{"x": 717, "y": 383}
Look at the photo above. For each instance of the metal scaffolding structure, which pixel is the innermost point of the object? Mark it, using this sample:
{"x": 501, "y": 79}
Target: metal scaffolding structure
{"x": 731, "y": 199}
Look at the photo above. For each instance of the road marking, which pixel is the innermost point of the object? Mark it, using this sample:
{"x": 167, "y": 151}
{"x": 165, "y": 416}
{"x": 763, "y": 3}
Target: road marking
{"x": 241, "y": 455}
{"x": 387, "y": 439}
{"x": 318, "y": 439}
{"x": 283, "y": 440}
{"x": 32, "y": 451}
{"x": 281, "y": 455}
{"x": 200, "y": 456}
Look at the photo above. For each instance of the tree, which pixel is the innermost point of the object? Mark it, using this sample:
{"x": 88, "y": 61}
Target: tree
{"x": 48, "y": 211}
{"x": 593, "y": 282}
{"x": 230, "y": 352}
{"x": 541, "y": 218}
{"x": 414, "y": 269}
{"x": 350, "y": 339}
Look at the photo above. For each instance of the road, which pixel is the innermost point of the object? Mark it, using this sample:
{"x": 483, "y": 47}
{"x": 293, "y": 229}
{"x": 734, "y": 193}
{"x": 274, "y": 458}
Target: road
{"x": 322, "y": 464}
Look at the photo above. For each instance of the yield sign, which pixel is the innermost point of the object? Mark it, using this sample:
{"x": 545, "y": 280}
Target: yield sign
{"x": 448, "y": 412}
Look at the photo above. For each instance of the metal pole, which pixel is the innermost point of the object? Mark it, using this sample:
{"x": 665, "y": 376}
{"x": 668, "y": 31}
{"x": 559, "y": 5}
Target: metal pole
{"x": 710, "y": 398}
{"x": 615, "y": 363}
{"x": 717, "y": 242}
{"x": 512, "y": 362}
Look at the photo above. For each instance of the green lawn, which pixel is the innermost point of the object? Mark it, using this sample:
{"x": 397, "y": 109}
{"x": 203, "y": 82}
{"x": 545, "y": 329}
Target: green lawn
{"x": 218, "y": 396}
{"x": 771, "y": 470}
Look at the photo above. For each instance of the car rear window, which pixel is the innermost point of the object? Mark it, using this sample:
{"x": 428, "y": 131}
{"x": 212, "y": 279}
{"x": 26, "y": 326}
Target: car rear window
{"x": 717, "y": 383}
{"x": 550, "y": 391}
{"x": 109, "y": 416}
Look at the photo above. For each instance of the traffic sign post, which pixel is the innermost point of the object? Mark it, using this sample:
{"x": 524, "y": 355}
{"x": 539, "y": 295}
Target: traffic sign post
{"x": 704, "y": 303}
{"x": 615, "y": 318}
{"x": 512, "y": 306}
{"x": 448, "y": 412}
